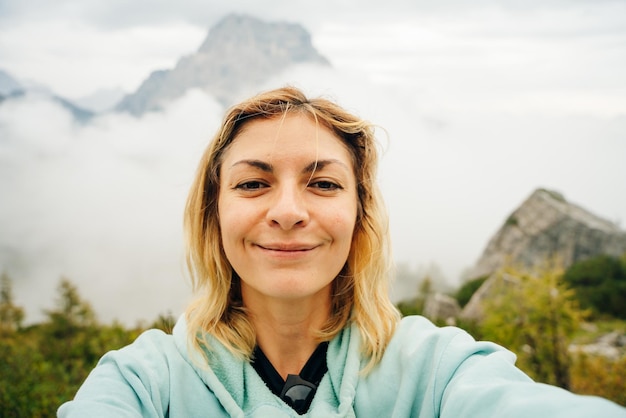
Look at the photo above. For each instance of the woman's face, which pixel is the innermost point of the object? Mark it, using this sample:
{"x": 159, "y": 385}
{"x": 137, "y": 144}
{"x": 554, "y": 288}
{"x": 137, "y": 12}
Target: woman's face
{"x": 287, "y": 208}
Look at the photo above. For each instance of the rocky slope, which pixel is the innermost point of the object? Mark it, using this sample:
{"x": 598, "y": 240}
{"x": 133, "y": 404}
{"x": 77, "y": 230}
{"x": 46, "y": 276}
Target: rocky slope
{"x": 547, "y": 225}
{"x": 12, "y": 89}
{"x": 239, "y": 52}
{"x": 544, "y": 226}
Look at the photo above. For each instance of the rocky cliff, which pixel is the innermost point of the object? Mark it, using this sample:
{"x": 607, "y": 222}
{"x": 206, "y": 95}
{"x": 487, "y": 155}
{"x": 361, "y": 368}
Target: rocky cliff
{"x": 547, "y": 225}
{"x": 238, "y": 53}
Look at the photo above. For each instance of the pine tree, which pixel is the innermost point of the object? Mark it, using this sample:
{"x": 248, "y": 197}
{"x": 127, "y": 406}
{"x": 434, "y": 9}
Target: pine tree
{"x": 11, "y": 315}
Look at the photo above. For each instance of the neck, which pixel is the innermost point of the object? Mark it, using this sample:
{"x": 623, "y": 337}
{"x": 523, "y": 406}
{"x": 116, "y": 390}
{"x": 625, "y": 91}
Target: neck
{"x": 286, "y": 330}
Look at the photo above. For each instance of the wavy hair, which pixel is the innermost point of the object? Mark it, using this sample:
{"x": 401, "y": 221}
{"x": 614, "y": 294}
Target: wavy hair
{"x": 359, "y": 293}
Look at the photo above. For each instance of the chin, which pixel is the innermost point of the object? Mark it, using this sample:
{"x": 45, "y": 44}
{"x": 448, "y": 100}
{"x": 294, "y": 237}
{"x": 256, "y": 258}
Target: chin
{"x": 290, "y": 291}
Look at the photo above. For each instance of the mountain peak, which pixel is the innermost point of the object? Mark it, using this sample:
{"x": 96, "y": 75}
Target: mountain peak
{"x": 547, "y": 225}
{"x": 275, "y": 39}
{"x": 239, "y": 52}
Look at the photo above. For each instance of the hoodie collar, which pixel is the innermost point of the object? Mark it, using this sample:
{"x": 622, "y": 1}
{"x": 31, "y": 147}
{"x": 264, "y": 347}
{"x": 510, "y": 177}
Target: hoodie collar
{"x": 239, "y": 388}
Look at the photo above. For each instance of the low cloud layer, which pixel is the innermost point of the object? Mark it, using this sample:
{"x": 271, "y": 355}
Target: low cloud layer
{"x": 101, "y": 203}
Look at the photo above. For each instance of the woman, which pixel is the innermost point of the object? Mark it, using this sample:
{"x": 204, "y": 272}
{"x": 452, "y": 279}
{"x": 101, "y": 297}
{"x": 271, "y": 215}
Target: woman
{"x": 288, "y": 247}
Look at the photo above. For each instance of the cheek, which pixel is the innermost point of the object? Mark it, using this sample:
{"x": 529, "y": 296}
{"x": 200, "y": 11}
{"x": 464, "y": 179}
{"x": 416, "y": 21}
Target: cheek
{"x": 345, "y": 224}
{"x": 227, "y": 221}
{"x": 230, "y": 225}
{"x": 237, "y": 220}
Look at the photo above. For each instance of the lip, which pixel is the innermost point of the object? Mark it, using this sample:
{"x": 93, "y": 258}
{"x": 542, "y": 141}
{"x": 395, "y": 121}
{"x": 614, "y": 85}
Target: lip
{"x": 287, "y": 247}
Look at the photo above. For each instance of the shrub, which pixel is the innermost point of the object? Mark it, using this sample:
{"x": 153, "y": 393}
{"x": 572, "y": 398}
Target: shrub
{"x": 600, "y": 284}
{"x": 600, "y": 376}
{"x": 467, "y": 290}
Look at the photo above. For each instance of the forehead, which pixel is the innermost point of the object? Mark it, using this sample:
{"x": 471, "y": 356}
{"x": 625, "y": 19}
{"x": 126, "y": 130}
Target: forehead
{"x": 288, "y": 136}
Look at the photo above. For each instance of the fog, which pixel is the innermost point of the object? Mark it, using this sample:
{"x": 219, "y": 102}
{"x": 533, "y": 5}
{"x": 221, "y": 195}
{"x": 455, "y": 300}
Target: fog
{"x": 101, "y": 202}
{"x": 478, "y": 105}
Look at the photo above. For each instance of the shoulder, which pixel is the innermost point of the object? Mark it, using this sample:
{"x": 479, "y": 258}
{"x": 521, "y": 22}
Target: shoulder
{"x": 417, "y": 335}
{"x": 133, "y": 378}
{"x": 443, "y": 371}
{"x": 422, "y": 359}
{"x": 147, "y": 361}
{"x": 149, "y": 349}
{"x": 441, "y": 354}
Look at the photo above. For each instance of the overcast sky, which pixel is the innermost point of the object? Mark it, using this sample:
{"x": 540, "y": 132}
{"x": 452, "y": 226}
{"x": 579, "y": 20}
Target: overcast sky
{"x": 481, "y": 104}
{"x": 568, "y": 46}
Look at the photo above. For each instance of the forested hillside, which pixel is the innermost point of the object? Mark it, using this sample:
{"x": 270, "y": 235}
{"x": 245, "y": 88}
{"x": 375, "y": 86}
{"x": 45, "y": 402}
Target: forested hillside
{"x": 42, "y": 365}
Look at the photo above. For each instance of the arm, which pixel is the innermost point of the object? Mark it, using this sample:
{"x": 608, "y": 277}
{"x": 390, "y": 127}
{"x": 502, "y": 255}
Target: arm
{"x": 432, "y": 372}
{"x": 131, "y": 382}
{"x": 480, "y": 379}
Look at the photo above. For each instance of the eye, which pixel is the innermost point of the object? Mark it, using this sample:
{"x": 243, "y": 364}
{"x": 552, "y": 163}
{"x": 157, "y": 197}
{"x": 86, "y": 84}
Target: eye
{"x": 325, "y": 185}
{"x": 251, "y": 185}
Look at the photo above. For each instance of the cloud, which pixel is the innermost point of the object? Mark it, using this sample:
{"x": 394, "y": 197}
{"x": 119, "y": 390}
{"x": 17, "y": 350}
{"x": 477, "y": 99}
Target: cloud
{"x": 452, "y": 174}
{"x": 117, "y": 14}
{"x": 452, "y": 46}
{"x": 100, "y": 204}
{"x": 493, "y": 59}
{"x": 80, "y": 58}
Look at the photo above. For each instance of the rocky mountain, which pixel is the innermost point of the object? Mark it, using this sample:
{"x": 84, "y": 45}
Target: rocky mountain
{"x": 547, "y": 225}
{"x": 12, "y": 89}
{"x": 8, "y": 84}
{"x": 101, "y": 101}
{"x": 239, "y": 52}
{"x": 80, "y": 114}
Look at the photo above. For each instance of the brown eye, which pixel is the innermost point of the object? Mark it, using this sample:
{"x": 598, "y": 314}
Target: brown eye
{"x": 325, "y": 185}
{"x": 251, "y": 185}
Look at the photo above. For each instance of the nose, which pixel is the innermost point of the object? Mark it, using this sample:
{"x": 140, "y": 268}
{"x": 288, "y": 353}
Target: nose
{"x": 288, "y": 208}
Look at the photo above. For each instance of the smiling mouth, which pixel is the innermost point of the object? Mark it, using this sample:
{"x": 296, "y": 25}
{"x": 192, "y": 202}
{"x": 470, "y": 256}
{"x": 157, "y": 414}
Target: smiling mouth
{"x": 287, "y": 248}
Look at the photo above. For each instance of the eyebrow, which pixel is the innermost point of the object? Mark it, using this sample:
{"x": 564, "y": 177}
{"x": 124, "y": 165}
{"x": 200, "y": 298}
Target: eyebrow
{"x": 310, "y": 168}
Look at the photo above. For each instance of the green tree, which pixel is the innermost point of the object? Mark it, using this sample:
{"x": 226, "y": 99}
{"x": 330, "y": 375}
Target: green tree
{"x": 71, "y": 311}
{"x": 467, "y": 290}
{"x": 535, "y": 315}
{"x": 11, "y": 315}
{"x": 42, "y": 365}
{"x": 164, "y": 322}
{"x": 600, "y": 284}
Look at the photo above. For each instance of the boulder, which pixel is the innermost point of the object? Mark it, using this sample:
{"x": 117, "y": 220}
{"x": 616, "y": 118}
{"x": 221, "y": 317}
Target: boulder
{"x": 441, "y": 307}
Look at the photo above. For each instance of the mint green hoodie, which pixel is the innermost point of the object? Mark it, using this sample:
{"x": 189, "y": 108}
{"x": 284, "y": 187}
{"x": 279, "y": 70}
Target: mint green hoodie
{"x": 426, "y": 372}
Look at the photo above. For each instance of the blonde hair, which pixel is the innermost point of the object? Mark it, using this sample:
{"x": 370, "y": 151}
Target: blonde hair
{"x": 359, "y": 292}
